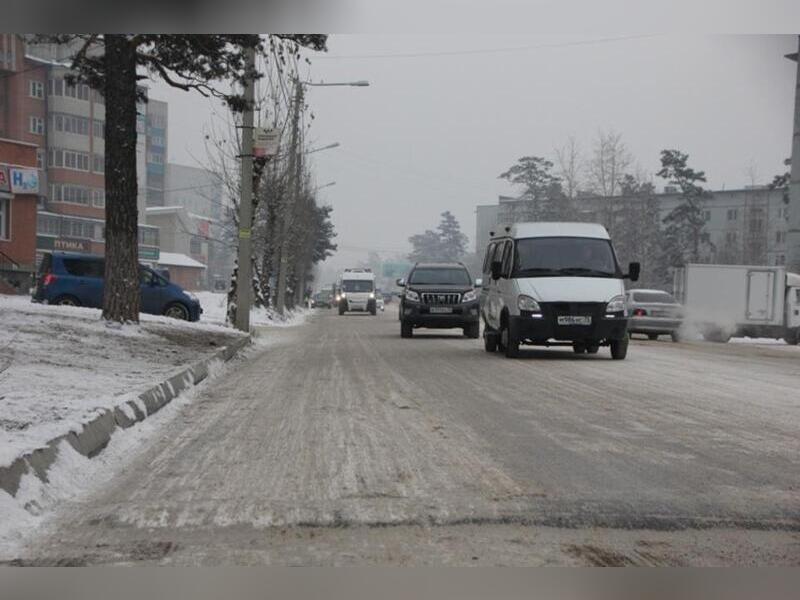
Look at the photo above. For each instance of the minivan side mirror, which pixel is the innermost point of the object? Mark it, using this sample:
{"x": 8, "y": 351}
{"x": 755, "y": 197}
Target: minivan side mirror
{"x": 497, "y": 269}
{"x": 401, "y": 282}
{"x": 634, "y": 269}
{"x": 478, "y": 282}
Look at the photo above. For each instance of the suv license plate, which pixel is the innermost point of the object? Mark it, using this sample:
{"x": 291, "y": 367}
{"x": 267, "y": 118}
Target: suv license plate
{"x": 441, "y": 310}
{"x": 574, "y": 320}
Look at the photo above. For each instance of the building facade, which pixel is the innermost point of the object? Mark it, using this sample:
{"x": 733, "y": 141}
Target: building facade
{"x": 38, "y": 105}
{"x": 743, "y": 226}
{"x": 19, "y": 188}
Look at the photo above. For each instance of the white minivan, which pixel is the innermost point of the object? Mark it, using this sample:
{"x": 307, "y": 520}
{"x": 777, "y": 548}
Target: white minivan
{"x": 357, "y": 291}
{"x": 554, "y": 284}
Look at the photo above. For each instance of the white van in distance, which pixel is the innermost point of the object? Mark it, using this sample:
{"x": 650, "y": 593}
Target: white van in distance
{"x": 357, "y": 291}
{"x": 554, "y": 284}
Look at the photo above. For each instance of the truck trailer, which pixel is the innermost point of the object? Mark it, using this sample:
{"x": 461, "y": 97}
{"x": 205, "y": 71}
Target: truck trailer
{"x": 740, "y": 300}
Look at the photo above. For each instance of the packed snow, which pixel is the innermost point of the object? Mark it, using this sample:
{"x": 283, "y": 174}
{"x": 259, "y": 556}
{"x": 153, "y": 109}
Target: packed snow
{"x": 61, "y": 366}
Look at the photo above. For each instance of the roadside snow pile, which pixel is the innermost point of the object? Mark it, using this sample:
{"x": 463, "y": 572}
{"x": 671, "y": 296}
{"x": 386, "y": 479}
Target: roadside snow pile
{"x": 62, "y": 366}
{"x": 215, "y": 304}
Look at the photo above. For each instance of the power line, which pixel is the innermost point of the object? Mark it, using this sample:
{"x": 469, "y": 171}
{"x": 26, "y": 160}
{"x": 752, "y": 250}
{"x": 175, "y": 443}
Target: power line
{"x": 487, "y": 50}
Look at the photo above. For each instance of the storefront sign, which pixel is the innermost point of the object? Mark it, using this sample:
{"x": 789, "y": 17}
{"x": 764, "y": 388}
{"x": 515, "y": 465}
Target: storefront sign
{"x": 5, "y": 185}
{"x": 71, "y": 245}
{"x": 149, "y": 253}
{"x": 24, "y": 181}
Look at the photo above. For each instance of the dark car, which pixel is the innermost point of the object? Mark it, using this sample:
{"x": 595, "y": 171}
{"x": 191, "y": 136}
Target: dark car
{"x": 77, "y": 280}
{"x": 322, "y": 300}
{"x": 439, "y": 296}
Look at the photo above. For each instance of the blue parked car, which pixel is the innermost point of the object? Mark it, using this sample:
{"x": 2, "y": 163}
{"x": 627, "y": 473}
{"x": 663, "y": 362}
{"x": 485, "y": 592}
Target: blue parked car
{"x": 77, "y": 280}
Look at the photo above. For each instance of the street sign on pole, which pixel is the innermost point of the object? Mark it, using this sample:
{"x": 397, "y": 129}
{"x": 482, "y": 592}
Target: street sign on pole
{"x": 265, "y": 142}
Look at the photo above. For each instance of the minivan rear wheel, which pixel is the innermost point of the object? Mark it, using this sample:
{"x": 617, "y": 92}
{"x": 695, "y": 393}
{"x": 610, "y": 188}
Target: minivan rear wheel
{"x": 176, "y": 310}
{"x": 510, "y": 342}
{"x": 67, "y": 301}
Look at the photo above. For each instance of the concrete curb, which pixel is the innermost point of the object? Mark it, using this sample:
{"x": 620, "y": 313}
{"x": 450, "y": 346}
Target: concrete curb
{"x": 96, "y": 434}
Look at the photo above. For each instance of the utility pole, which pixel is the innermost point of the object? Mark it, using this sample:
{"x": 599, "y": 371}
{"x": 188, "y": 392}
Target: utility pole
{"x": 244, "y": 284}
{"x": 793, "y": 233}
{"x": 288, "y": 210}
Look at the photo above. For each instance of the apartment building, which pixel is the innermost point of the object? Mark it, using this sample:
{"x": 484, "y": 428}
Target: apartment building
{"x": 66, "y": 122}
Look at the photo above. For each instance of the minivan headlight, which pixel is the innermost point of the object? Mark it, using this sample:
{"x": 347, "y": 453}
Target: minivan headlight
{"x": 616, "y": 305}
{"x": 412, "y": 296}
{"x": 469, "y": 296}
{"x": 528, "y": 304}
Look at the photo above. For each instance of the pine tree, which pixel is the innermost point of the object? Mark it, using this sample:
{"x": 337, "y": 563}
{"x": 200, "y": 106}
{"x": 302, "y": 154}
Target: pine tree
{"x": 446, "y": 244}
{"x": 541, "y": 190}
{"x": 684, "y": 235}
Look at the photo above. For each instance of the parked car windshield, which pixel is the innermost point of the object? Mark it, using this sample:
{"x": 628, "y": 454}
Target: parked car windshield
{"x": 357, "y": 285}
{"x": 564, "y": 256}
{"x": 654, "y": 297}
{"x": 439, "y": 277}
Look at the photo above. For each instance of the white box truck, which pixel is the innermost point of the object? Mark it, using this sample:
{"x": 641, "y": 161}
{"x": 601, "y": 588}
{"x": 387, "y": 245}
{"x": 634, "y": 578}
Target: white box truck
{"x": 739, "y": 300}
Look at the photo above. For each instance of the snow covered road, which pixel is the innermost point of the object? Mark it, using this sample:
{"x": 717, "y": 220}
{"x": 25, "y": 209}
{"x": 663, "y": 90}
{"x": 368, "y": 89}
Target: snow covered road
{"x": 342, "y": 443}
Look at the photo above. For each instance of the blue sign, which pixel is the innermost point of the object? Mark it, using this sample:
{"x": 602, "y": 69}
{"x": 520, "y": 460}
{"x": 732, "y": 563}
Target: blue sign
{"x": 24, "y": 181}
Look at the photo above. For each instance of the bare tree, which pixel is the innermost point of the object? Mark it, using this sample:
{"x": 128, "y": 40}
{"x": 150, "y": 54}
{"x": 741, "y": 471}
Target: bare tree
{"x": 569, "y": 167}
{"x": 609, "y": 163}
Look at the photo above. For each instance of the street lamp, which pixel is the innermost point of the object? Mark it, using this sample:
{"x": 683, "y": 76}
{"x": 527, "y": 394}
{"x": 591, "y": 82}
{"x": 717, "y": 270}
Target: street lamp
{"x": 361, "y": 83}
{"x": 328, "y": 147}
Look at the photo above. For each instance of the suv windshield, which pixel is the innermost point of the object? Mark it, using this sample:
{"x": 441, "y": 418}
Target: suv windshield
{"x": 439, "y": 276}
{"x": 357, "y": 285}
{"x": 654, "y": 297}
{"x": 564, "y": 256}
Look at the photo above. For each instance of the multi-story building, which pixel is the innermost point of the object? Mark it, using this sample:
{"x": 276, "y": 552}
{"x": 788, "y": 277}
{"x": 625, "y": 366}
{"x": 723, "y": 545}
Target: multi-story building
{"x": 744, "y": 226}
{"x": 155, "y": 122}
{"x": 66, "y": 121}
{"x": 195, "y": 220}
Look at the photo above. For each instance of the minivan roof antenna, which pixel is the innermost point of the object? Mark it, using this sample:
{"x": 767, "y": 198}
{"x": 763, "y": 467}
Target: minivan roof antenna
{"x": 491, "y": 233}
{"x": 508, "y": 229}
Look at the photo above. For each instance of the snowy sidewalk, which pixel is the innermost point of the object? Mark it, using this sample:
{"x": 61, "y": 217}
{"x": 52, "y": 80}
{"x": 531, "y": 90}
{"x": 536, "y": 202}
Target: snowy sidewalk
{"x": 61, "y": 366}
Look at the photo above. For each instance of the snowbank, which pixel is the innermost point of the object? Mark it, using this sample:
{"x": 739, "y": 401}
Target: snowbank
{"x": 215, "y": 304}
{"x": 61, "y": 366}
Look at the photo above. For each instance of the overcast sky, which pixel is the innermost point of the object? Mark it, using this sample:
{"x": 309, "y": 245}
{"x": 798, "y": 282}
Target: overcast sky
{"x": 434, "y": 130}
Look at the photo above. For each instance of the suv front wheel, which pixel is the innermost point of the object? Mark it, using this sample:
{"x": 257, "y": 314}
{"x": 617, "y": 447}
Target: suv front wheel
{"x": 406, "y": 331}
{"x": 510, "y": 342}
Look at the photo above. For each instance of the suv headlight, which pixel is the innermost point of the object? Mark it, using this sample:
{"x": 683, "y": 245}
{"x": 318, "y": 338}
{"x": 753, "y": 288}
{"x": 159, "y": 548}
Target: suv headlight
{"x": 372, "y": 295}
{"x": 528, "y": 304}
{"x": 469, "y": 296}
{"x": 412, "y": 296}
{"x": 616, "y": 305}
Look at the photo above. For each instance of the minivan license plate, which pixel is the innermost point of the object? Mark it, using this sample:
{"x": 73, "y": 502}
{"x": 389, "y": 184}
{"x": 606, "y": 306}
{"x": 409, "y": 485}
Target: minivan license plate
{"x": 574, "y": 320}
{"x": 441, "y": 309}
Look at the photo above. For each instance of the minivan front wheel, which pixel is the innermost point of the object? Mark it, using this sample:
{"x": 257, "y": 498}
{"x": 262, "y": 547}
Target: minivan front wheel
{"x": 176, "y": 310}
{"x": 619, "y": 348}
{"x": 510, "y": 342}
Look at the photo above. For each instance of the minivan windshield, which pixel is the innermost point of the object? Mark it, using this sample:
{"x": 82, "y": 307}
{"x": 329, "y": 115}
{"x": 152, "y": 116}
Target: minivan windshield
{"x": 357, "y": 285}
{"x": 564, "y": 256}
{"x": 439, "y": 276}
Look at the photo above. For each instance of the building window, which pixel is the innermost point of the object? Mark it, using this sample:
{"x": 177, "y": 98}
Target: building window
{"x": 99, "y": 129}
{"x": 706, "y": 215}
{"x": 98, "y": 198}
{"x": 71, "y": 124}
{"x": 68, "y": 159}
{"x": 98, "y": 97}
{"x": 780, "y": 237}
{"x": 783, "y": 212}
{"x": 98, "y": 163}
{"x": 78, "y": 91}
{"x": 153, "y": 157}
{"x": 195, "y": 246}
{"x": 37, "y": 125}
{"x": 731, "y": 237}
{"x": 36, "y": 88}
{"x": 41, "y": 158}
{"x": 55, "y": 87}
{"x": 5, "y": 219}
{"x": 733, "y": 214}
{"x": 72, "y": 194}
{"x": 780, "y": 259}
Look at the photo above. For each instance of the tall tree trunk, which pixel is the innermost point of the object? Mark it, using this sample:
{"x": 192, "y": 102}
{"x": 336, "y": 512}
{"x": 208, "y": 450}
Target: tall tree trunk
{"x": 122, "y": 294}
